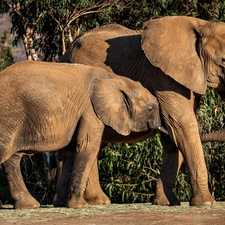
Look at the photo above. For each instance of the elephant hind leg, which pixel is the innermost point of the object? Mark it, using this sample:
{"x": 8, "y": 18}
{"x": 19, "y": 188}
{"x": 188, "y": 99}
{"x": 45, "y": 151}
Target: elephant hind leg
{"x": 65, "y": 169}
{"x": 172, "y": 160}
{"x": 88, "y": 143}
{"x": 23, "y": 199}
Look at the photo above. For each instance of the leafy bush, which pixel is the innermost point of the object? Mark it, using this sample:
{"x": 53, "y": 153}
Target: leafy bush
{"x": 6, "y": 55}
{"x": 37, "y": 180}
{"x": 211, "y": 117}
{"x": 127, "y": 171}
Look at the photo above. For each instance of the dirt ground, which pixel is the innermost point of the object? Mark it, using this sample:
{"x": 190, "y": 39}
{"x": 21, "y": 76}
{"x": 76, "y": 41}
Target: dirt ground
{"x": 116, "y": 214}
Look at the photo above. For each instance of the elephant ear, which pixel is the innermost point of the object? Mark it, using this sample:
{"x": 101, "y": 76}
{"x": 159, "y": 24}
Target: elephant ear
{"x": 111, "y": 104}
{"x": 170, "y": 44}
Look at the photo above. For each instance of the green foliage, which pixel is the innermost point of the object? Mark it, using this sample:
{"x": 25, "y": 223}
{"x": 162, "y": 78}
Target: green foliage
{"x": 215, "y": 160}
{"x": 212, "y": 112}
{"x": 5, "y": 196}
{"x": 6, "y": 55}
{"x": 182, "y": 188}
{"x": 128, "y": 172}
{"x": 54, "y": 22}
{"x": 211, "y": 118}
{"x": 35, "y": 176}
{"x": 134, "y": 15}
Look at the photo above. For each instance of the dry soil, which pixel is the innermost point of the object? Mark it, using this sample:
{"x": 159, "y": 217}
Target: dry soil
{"x": 116, "y": 214}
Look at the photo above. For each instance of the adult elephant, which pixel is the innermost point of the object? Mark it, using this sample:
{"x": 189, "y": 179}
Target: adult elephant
{"x": 174, "y": 57}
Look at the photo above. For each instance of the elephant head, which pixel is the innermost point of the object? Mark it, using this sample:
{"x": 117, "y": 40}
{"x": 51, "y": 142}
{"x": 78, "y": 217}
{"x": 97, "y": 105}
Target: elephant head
{"x": 190, "y": 50}
{"x": 125, "y": 105}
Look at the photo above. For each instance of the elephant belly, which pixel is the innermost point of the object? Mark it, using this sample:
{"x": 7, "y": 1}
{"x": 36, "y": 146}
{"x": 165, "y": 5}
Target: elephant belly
{"x": 49, "y": 137}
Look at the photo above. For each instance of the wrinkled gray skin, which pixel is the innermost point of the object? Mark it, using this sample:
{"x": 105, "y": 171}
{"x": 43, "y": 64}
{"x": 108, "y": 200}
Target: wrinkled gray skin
{"x": 175, "y": 58}
{"x": 214, "y": 136}
{"x": 50, "y": 106}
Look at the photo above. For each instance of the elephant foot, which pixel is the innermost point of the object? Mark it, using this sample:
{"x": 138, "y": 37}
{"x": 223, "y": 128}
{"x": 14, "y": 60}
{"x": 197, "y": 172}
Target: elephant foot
{"x": 77, "y": 203}
{"x": 164, "y": 197}
{"x": 26, "y": 203}
{"x": 97, "y": 197}
{"x": 202, "y": 200}
{"x": 98, "y": 200}
{"x": 162, "y": 200}
{"x": 60, "y": 202}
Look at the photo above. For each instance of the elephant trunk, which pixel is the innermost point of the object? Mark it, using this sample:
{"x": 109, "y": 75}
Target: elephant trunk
{"x": 214, "y": 136}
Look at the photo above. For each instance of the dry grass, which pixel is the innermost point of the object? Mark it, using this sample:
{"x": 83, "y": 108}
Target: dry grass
{"x": 48, "y": 213}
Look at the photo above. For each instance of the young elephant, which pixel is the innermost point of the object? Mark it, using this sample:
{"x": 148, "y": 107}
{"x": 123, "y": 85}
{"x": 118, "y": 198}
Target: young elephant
{"x": 48, "y": 106}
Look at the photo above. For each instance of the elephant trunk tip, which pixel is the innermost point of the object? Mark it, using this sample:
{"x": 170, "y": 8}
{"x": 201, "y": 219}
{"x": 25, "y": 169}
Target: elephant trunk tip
{"x": 164, "y": 130}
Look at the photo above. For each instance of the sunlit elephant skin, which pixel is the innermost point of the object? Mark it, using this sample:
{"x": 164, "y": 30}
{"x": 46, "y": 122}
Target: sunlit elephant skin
{"x": 50, "y": 106}
{"x": 175, "y": 58}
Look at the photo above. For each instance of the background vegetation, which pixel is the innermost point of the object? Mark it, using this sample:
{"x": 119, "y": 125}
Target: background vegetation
{"x": 127, "y": 172}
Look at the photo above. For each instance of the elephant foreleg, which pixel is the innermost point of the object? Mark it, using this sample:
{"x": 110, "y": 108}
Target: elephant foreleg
{"x": 183, "y": 128}
{"x": 88, "y": 143}
{"x": 64, "y": 177}
{"x": 94, "y": 194}
{"x": 23, "y": 199}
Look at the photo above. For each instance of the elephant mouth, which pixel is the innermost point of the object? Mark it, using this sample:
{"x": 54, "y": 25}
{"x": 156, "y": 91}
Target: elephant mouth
{"x": 153, "y": 125}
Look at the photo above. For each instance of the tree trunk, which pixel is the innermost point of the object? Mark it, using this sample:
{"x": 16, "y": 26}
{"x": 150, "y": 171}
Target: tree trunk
{"x": 63, "y": 42}
{"x": 29, "y": 45}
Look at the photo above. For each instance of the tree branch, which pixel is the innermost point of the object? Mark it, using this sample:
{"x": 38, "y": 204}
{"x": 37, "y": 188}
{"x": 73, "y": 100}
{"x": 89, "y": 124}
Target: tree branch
{"x": 53, "y": 17}
{"x": 96, "y": 8}
{"x": 13, "y": 8}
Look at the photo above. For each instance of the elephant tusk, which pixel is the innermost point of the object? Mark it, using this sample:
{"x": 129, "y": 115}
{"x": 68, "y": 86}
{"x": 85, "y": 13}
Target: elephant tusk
{"x": 164, "y": 130}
